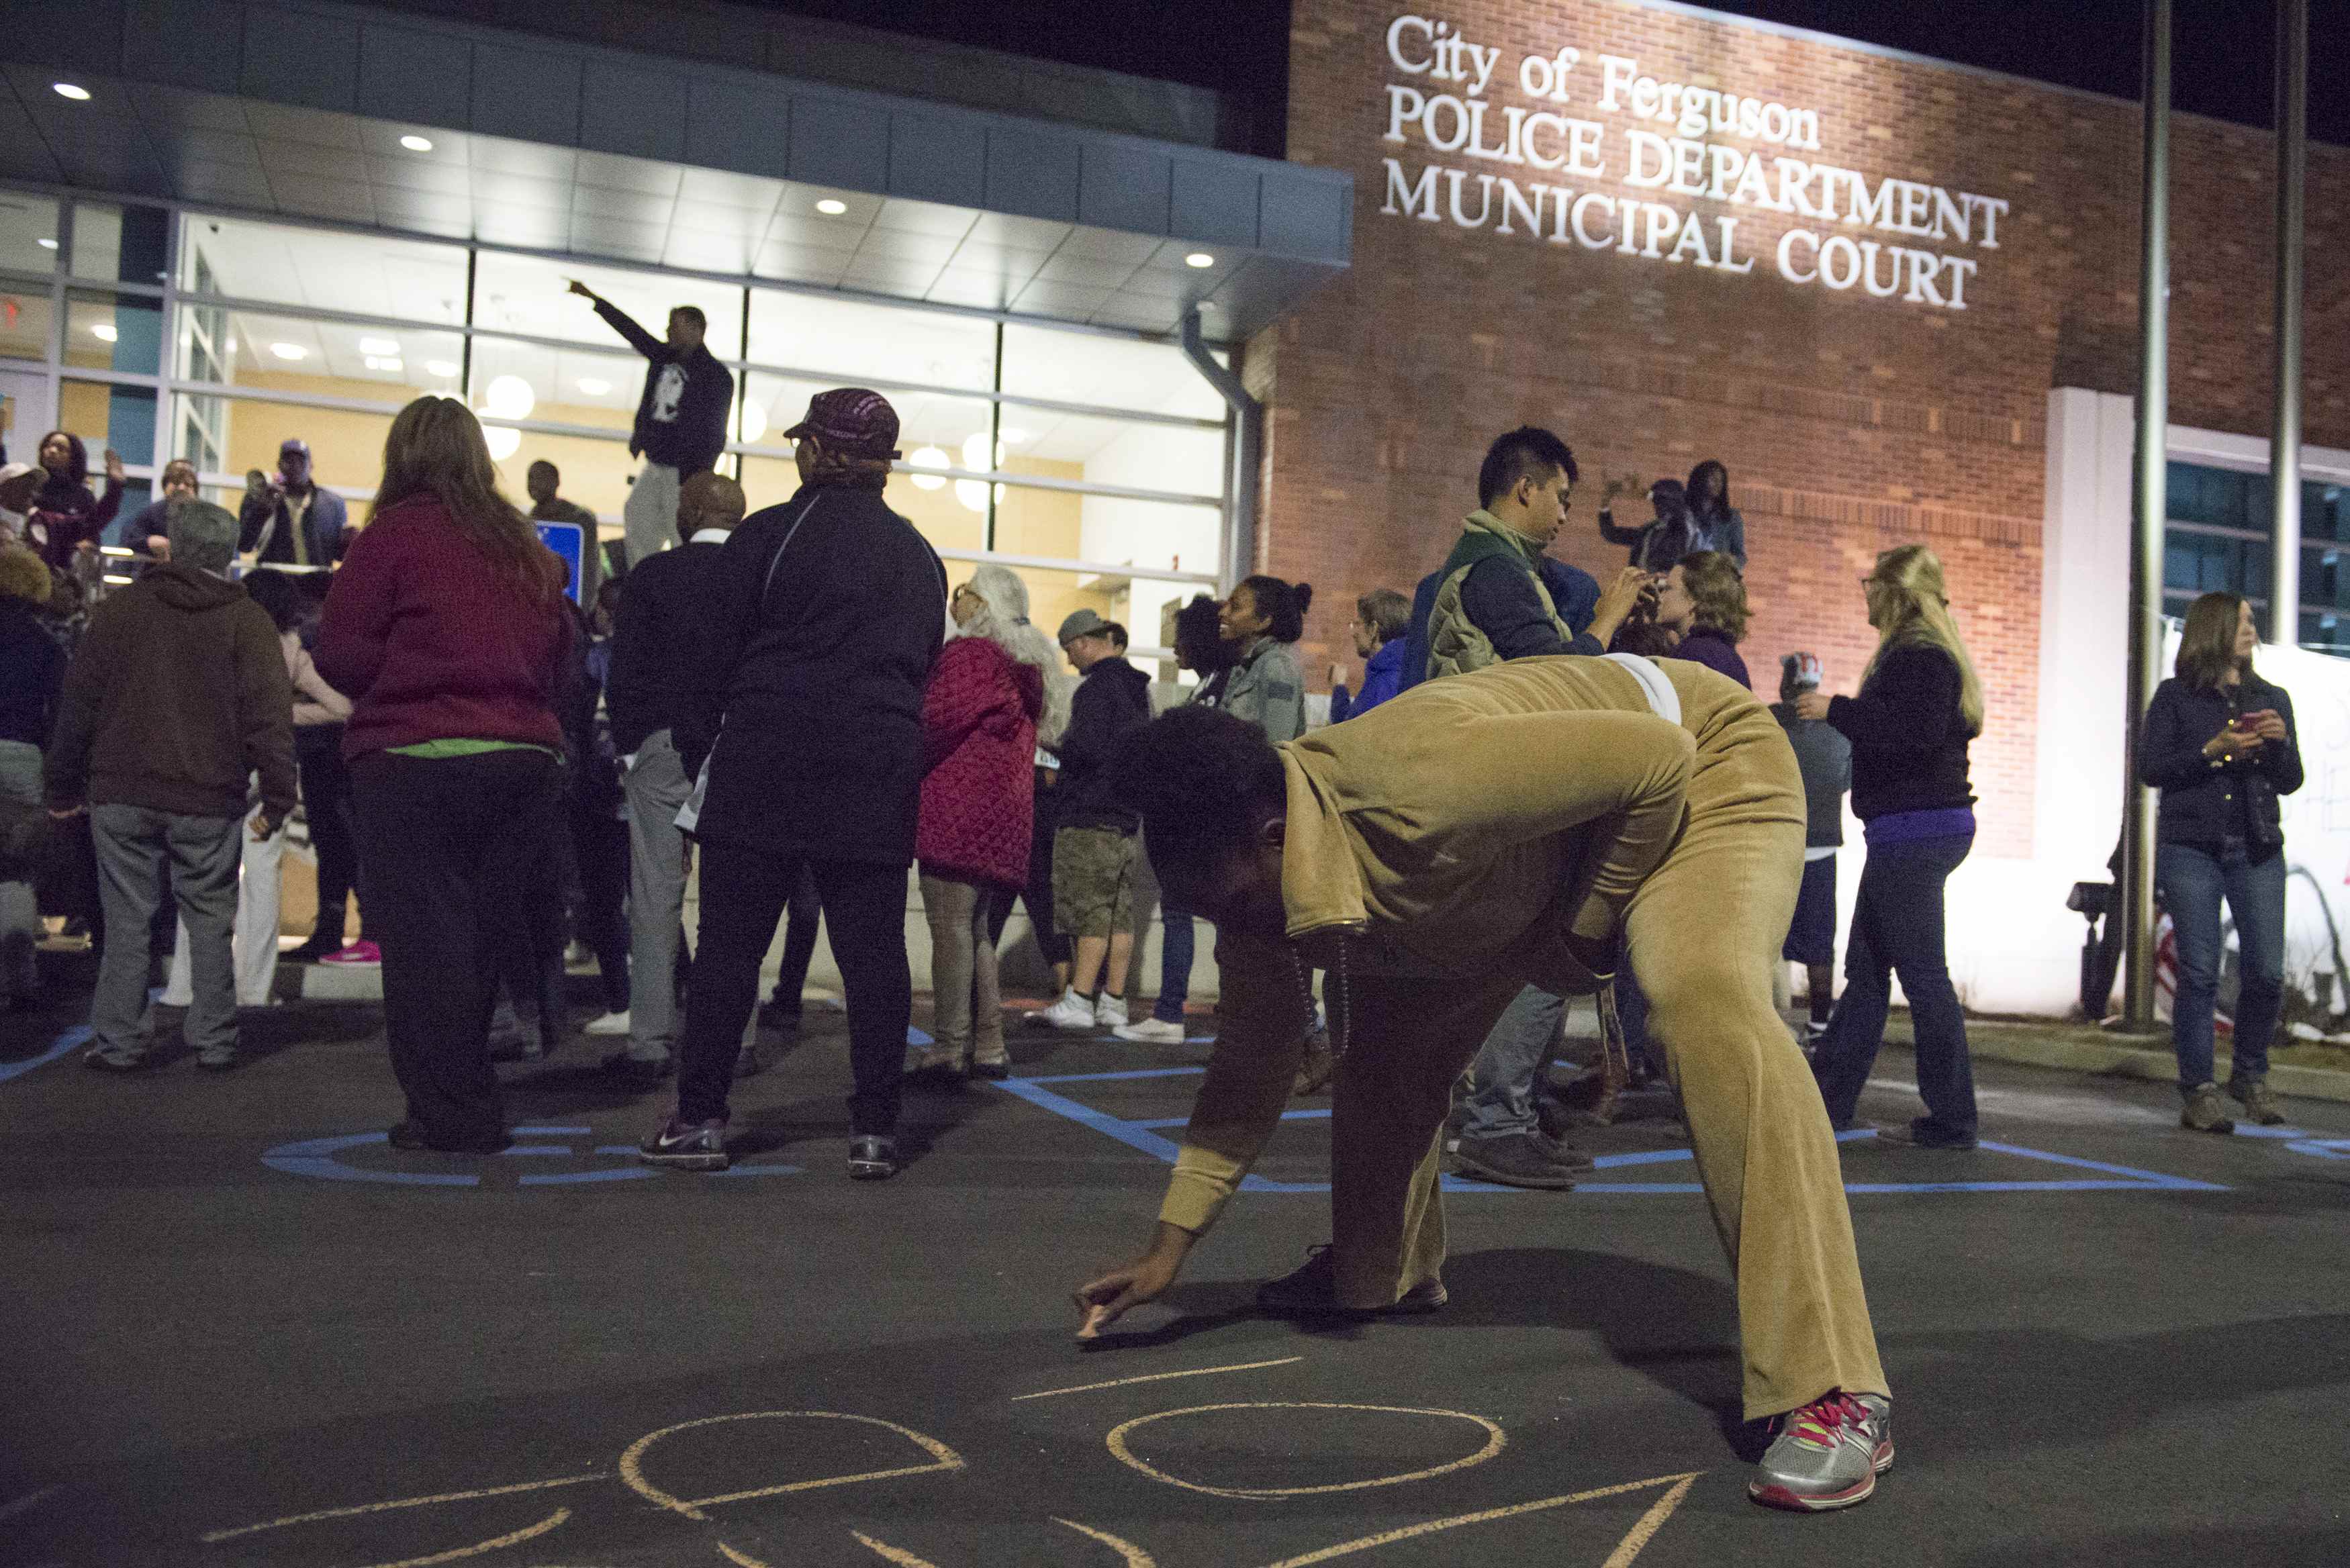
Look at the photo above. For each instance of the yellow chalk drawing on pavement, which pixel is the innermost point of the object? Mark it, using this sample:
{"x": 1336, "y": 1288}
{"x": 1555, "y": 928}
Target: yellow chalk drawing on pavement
{"x": 1494, "y": 1442}
{"x": 1158, "y": 1378}
{"x": 1136, "y": 1557}
{"x": 1625, "y": 1552}
{"x": 524, "y": 1533}
{"x": 632, "y": 1461}
{"x": 901, "y": 1557}
{"x": 210, "y": 1537}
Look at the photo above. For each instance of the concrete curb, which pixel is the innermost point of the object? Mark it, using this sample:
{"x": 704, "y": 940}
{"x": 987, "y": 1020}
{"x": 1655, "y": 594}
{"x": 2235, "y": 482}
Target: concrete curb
{"x": 2008, "y": 1042}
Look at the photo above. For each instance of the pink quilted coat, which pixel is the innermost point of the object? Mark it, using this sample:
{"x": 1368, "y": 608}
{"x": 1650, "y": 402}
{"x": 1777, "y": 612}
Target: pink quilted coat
{"x": 979, "y": 738}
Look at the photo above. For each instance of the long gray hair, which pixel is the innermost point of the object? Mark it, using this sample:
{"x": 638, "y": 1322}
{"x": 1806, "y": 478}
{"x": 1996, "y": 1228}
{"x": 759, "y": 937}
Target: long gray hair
{"x": 1003, "y": 620}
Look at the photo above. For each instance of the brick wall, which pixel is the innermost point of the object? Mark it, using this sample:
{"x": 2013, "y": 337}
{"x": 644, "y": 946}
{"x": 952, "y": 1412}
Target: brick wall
{"x": 1848, "y": 423}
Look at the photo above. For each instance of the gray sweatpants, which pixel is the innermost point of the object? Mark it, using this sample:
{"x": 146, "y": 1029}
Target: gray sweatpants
{"x": 650, "y": 516}
{"x": 656, "y": 786}
{"x": 133, "y": 845}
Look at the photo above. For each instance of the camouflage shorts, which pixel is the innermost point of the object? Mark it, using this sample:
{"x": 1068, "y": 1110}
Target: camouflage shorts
{"x": 1093, "y": 881}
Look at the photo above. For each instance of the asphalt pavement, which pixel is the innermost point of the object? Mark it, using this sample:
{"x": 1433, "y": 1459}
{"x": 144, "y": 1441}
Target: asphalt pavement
{"x": 240, "y": 1329}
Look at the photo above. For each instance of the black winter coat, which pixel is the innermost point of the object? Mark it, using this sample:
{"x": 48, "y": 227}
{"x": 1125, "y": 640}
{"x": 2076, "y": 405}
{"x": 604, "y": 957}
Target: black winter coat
{"x": 2204, "y": 800}
{"x": 824, "y": 620}
{"x": 1908, "y": 734}
{"x": 1112, "y": 701}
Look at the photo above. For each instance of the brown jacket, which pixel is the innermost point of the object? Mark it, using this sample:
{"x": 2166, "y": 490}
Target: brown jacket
{"x": 176, "y": 695}
{"x": 1463, "y": 830}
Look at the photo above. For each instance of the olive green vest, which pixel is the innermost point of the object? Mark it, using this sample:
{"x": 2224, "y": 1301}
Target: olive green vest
{"x": 1456, "y": 644}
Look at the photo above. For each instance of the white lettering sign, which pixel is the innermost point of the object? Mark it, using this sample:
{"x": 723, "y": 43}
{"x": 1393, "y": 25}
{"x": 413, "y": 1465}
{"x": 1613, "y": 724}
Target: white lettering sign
{"x": 1703, "y": 143}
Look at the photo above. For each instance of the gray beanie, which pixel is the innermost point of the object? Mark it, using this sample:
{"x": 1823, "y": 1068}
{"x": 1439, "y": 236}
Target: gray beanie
{"x": 202, "y": 535}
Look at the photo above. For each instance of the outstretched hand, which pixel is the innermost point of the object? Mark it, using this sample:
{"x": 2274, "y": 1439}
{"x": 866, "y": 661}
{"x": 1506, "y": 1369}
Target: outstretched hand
{"x": 114, "y": 470}
{"x": 1813, "y": 704}
{"x": 1105, "y": 1300}
{"x": 582, "y": 290}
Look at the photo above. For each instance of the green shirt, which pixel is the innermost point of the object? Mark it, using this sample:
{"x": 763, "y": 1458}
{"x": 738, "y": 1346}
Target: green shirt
{"x": 462, "y": 748}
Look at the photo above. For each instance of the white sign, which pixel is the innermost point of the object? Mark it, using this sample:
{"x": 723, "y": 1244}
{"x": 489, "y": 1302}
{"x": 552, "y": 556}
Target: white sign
{"x": 1726, "y": 148}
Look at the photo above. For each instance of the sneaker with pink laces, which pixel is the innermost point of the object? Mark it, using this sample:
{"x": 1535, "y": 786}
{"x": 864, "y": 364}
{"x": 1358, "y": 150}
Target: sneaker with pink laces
{"x": 1827, "y": 1455}
{"x": 357, "y": 953}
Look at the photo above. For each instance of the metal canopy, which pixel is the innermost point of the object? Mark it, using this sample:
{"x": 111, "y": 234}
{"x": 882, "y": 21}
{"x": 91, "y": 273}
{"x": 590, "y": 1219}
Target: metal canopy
{"x": 316, "y": 112}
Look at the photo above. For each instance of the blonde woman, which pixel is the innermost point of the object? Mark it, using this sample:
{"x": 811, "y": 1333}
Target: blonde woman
{"x": 1919, "y": 705}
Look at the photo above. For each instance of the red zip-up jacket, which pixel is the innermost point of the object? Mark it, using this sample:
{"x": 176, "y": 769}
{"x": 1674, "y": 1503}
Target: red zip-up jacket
{"x": 979, "y": 744}
{"x": 430, "y": 643}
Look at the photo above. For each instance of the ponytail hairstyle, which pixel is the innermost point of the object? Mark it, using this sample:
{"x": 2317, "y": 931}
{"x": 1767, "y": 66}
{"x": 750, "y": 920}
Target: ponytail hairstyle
{"x": 1283, "y": 604}
{"x": 436, "y": 449}
{"x": 1915, "y": 609}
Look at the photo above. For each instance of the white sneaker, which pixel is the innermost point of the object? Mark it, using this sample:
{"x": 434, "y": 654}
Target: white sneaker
{"x": 1072, "y": 1011}
{"x": 1152, "y": 1031}
{"x": 610, "y": 1024}
{"x": 1110, "y": 1012}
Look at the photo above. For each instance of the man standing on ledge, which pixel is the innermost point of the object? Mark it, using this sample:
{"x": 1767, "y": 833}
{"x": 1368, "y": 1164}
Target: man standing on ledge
{"x": 1474, "y": 835}
{"x": 680, "y": 418}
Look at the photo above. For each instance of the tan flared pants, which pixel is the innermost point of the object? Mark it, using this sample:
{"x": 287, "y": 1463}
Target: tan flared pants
{"x": 1704, "y": 932}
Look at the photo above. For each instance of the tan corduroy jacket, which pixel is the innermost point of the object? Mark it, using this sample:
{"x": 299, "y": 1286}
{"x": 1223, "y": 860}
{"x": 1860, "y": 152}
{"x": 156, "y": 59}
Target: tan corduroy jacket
{"x": 1463, "y": 829}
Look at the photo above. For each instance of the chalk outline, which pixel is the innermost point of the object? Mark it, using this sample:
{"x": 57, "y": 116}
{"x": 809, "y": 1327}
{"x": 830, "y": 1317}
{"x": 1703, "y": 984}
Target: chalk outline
{"x": 632, "y": 1475}
{"x": 1157, "y": 1377}
{"x": 1643, "y": 1529}
{"x": 1143, "y": 1135}
{"x": 1495, "y": 1441}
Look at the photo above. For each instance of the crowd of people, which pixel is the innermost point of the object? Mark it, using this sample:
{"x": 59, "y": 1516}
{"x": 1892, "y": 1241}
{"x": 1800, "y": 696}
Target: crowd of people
{"x": 1543, "y": 787}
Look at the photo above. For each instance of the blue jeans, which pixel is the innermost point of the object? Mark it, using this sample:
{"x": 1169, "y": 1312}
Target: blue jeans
{"x": 2192, "y": 881}
{"x": 1502, "y": 1079}
{"x": 1897, "y": 929}
{"x": 1174, "y": 964}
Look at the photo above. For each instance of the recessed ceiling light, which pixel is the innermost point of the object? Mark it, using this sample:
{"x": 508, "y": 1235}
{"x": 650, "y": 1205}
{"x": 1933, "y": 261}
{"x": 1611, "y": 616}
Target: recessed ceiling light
{"x": 1198, "y": 258}
{"x": 47, "y": 244}
{"x": 594, "y": 386}
{"x": 445, "y": 369}
{"x": 289, "y": 350}
{"x": 104, "y": 332}
{"x": 378, "y": 346}
{"x": 831, "y": 208}
{"x": 378, "y": 362}
{"x": 416, "y": 143}
{"x": 73, "y": 91}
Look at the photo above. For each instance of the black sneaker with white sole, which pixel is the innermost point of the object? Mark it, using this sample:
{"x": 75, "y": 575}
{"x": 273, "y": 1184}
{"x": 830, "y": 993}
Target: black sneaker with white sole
{"x": 687, "y": 1146}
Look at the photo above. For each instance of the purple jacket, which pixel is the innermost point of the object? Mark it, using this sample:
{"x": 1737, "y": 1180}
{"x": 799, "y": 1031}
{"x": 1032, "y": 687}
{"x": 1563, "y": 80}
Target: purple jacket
{"x": 1705, "y": 646}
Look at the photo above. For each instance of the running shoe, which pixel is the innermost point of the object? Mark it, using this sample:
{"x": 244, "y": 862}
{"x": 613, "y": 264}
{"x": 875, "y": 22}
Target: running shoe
{"x": 218, "y": 1059}
{"x": 1072, "y": 1012}
{"x": 1110, "y": 1012}
{"x": 1520, "y": 1159}
{"x": 610, "y": 1023}
{"x": 1827, "y": 1455}
{"x": 2204, "y": 1113}
{"x": 872, "y": 1158}
{"x": 1150, "y": 1031}
{"x": 357, "y": 953}
{"x": 1924, "y": 1132}
{"x": 1311, "y": 1291}
{"x": 2260, "y": 1102}
{"x": 687, "y": 1146}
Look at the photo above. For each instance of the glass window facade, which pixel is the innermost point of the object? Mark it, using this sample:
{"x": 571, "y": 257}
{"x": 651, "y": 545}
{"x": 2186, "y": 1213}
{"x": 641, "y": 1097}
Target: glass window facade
{"x": 2217, "y": 538}
{"x": 1092, "y": 463}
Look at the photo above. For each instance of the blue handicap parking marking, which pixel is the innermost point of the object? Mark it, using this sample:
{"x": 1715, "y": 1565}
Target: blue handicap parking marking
{"x": 1147, "y": 1137}
{"x": 320, "y": 1157}
{"x": 2323, "y": 1147}
{"x": 76, "y": 1037}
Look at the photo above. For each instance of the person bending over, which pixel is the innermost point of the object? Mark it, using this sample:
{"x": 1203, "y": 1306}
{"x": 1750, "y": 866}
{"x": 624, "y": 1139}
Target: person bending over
{"x": 1474, "y": 835}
